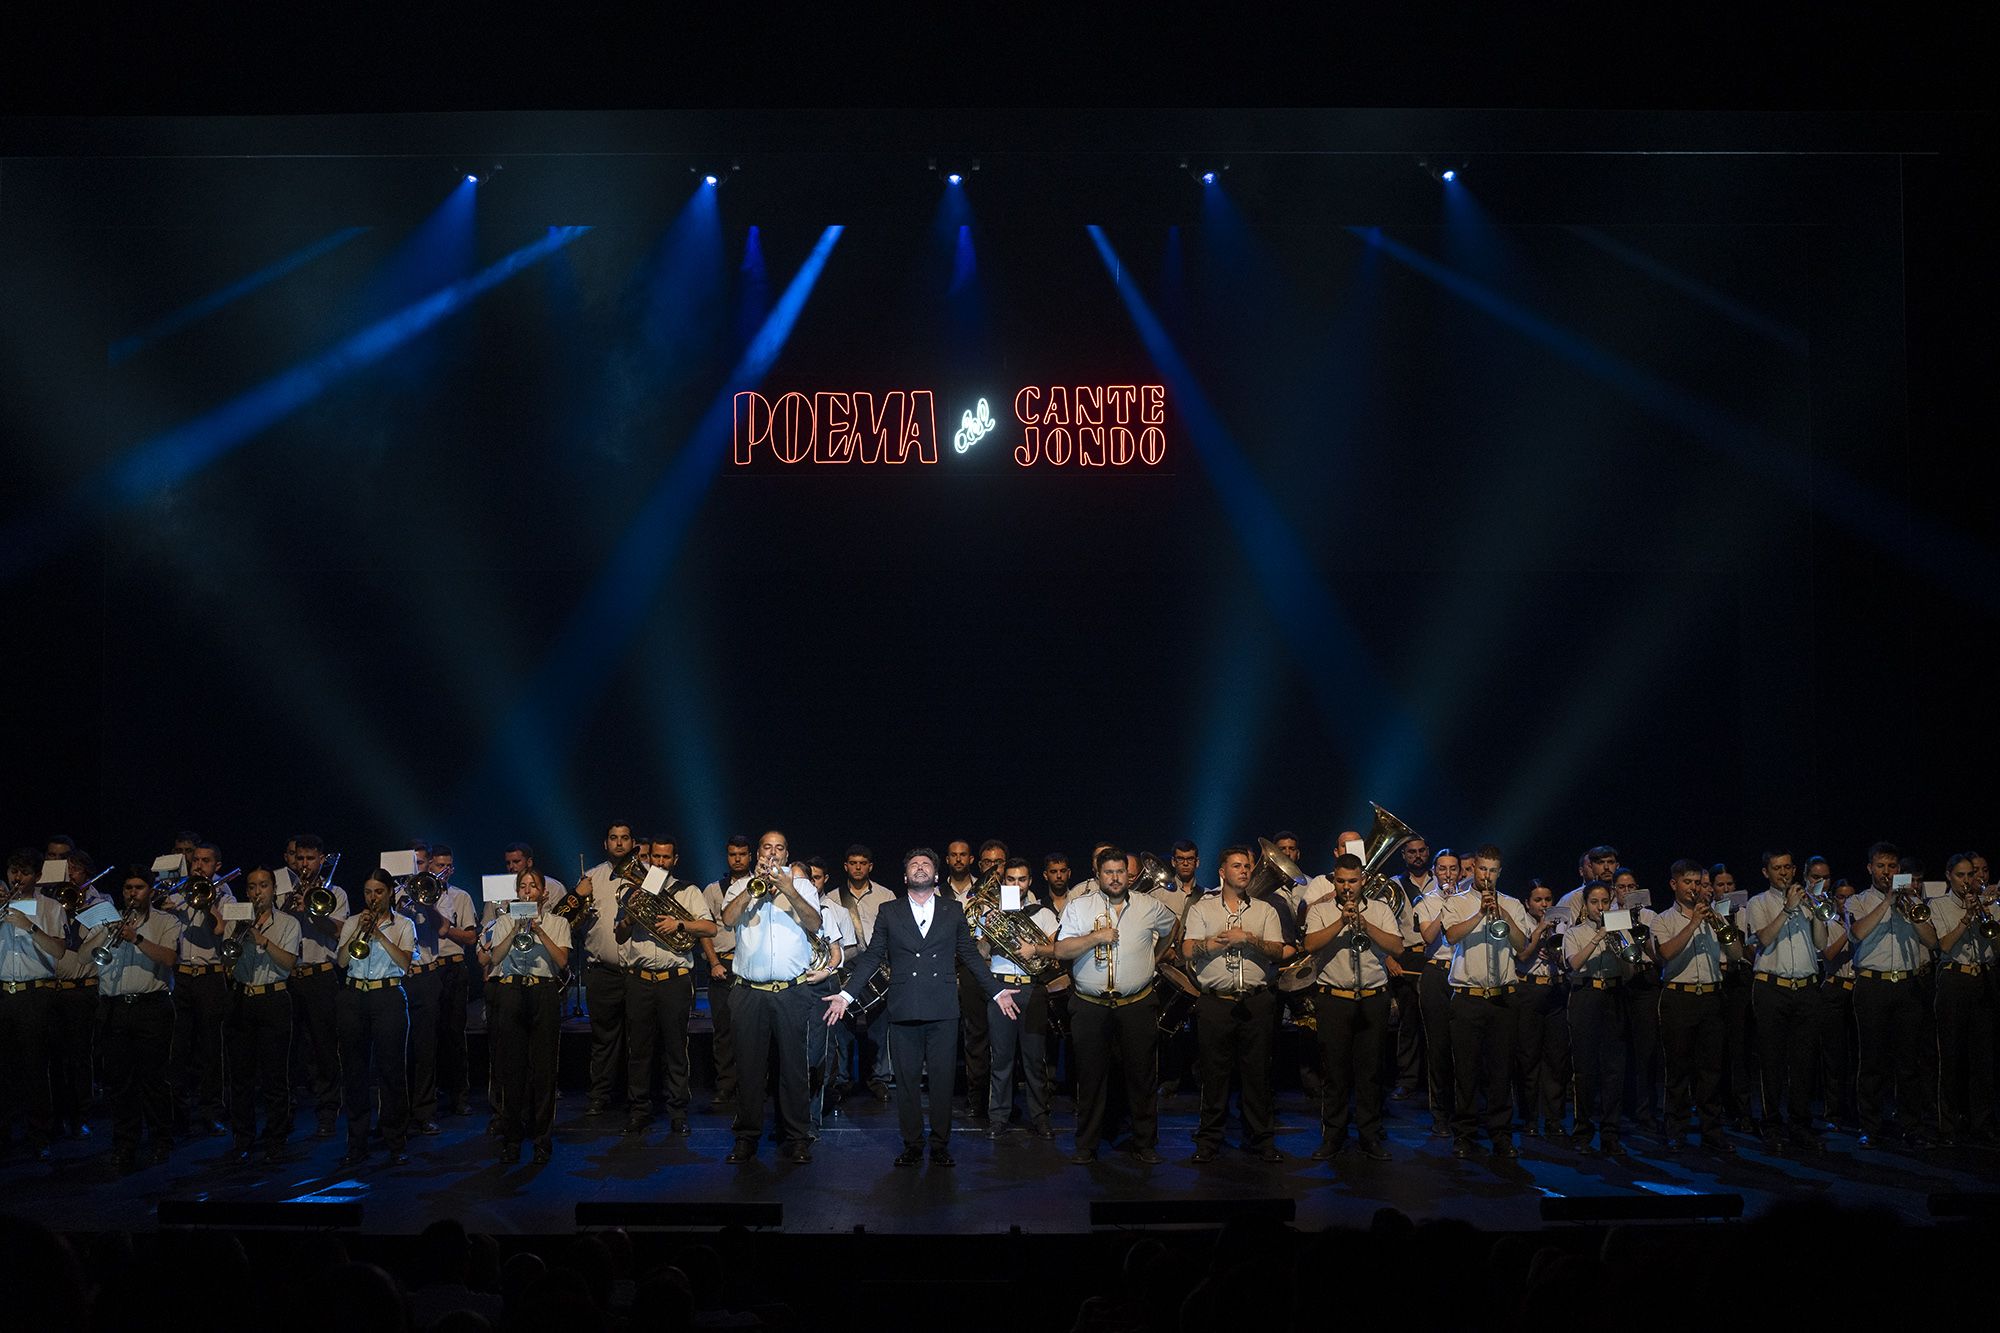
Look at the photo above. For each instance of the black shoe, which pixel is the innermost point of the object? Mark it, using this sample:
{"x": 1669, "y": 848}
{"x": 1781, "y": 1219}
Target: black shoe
{"x": 1531, "y": 1131}
{"x": 800, "y": 1153}
{"x": 1613, "y": 1148}
{"x": 427, "y": 1128}
{"x": 1203, "y": 1156}
{"x": 1042, "y": 1129}
{"x": 1505, "y": 1148}
{"x": 398, "y": 1157}
{"x": 1269, "y": 1153}
{"x": 909, "y": 1157}
{"x": 744, "y": 1150}
{"x": 1945, "y": 1141}
{"x": 325, "y": 1129}
{"x": 637, "y": 1124}
{"x": 1083, "y": 1157}
{"x": 1463, "y": 1148}
{"x": 1002, "y": 1128}
{"x": 352, "y": 1158}
{"x": 1149, "y": 1157}
{"x": 940, "y": 1157}
{"x": 679, "y": 1126}
{"x": 1439, "y": 1131}
{"x": 1673, "y": 1146}
{"x": 596, "y": 1106}
{"x": 1329, "y": 1148}
{"x": 1774, "y": 1144}
{"x": 1581, "y": 1143}
{"x": 982, "y": 1122}
{"x": 1376, "y": 1151}
{"x": 1715, "y": 1143}
{"x": 510, "y": 1151}
{"x": 1402, "y": 1094}
{"x": 494, "y": 1129}
{"x": 879, "y": 1089}
{"x": 543, "y": 1152}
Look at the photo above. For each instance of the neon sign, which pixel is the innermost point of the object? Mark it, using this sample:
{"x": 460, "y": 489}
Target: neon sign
{"x": 1082, "y": 425}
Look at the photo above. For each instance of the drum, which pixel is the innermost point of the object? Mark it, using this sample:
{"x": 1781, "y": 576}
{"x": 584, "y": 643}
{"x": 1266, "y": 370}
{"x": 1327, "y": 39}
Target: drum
{"x": 1177, "y": 998}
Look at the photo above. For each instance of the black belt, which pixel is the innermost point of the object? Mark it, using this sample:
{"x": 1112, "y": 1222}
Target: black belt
{"x": 134, "y": 997}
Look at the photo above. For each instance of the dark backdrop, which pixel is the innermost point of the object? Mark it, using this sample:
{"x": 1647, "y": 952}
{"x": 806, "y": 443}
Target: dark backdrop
{"x": 1599, "y": 496}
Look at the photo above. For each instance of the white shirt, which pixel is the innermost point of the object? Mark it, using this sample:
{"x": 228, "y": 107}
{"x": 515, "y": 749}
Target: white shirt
{"x": 1946, "y": 913}
{"x": 1430, "y": 908}
{"x": 1697, "y": 964}
{"x": 1795, "y": 953}
{"x": 21, "y": 956}
{"x": 378, "y": 965}
{"x": 600, "y": 940}
{"x": 1046, "y": 922}
{"x": 256, "y": 967}
{"x": 199, "y": 937}
{"x": 1411, "y": 891}
{"x": 553, "y": 892}
{"x": 771, "y": 945}
{"x": 1547, "y": 960}
{"x": 130, "y": 972}
{"x": 1587, "y": 952}
{"x": 644, "y": 950}
{"x": 836, "y": 925}
{"x": 1141, "y": 927}
{"x": 311, "y": 951}
{"x": 79, "y": 962}
{"x": 455, "y": 906}
{"x": 1233, "y": 968}
{"x": 866, "y": 906}
{"x": 923, "y": 906}
{"x": 1478, "y": 959}
{"x": 1894, "y": 947}
{"x": 536, "y": 961}
{"x": 1175, "y": 899}
{"x": 1344, "y": 967}
{"x": 717, "y": 894}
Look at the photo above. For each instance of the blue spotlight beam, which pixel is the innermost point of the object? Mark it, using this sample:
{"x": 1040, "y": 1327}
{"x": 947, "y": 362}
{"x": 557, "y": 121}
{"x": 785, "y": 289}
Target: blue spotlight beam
{"x": 528, "y": 748}
{"x": 126, "y": 348}
{"x": 1921, "y": 546}
{"x": 1351, "y": 696}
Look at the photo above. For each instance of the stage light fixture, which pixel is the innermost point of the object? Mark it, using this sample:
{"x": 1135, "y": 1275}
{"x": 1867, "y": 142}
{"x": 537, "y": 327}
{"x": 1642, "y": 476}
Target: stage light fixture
{"x": 1208, "y": 173}
{"x": 710, "y": 180}
{"x": 1445, "y": 171}
{"x": 955, "y": 179}
{"x": 955, "y": 169}
{"x": 715, "y": 175}
{"x": 1449, "y": 175}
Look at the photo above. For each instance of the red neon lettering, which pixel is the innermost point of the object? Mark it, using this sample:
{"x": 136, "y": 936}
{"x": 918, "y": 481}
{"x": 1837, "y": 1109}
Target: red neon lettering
{"x": 1024, "y": 413}
{"x": 1152, "y": 445}
{"x": 792, "y": 427}
{"x": 1121, "y": 446}
{"x": 919, "y": 430}
{"x": 1089, "y": 405}
{"x": 753, "y": 424}
{"x": 1121, "y": 397}
{"x": 1030, "y": 446}
{"x": 1058, "y": 446}
{"x": 878, "y": 429}
{"x": 1058, "y": 411}
{"x": 1152, "y": 405}
{"x": 1090, "y": 446}
{"x": 835, "y": 441}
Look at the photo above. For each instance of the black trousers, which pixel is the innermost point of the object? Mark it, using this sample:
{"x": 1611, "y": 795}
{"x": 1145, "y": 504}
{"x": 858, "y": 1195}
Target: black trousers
{"x": 1406, "y": 1020}
{"x": 721, "y": 1017}
{"x": 1234, "y": 1040}
{"x": 27, "y": 1021}
{"x": 1965, "y": 1054}
{"x": 1128, "y": 1034}
{"x": 764, "y": 1021}
{"x": 454, "y": 990}
{"x": 259, "y": 1033}
{"x": 1787, "y": 1029}
{"x": 1597, "y": 1032}
{"x": 1482, "y": 1043}
{"x": 1434, "y": 1005}
{"x": 1836, "y": 1051}
{"x": 1889, "y": 1019}
{"x": 978, "y": 1049}
{"x": 1927, "y": 1043}
{"x": 201, "y": 1003}
{"x": 1739, "y": 1041}
{"x": 374, "y": 1047}
{"x": 316, "y": 1031}
{"x": 604, "y": 997}
{"x": 425, "y": 990}
{"x": 72, "y": 1024}
{"x": 524, "y": 1025}
{"x": 1691, "y": 1037}
{"x": 136, "y": 1036}
{"x": 1541, "y": 1055}
{"x": 1642, "y": 1058}
{"x": 1353, "y": 1034}
{"x": 656, "y": 1041}
{"x": 1025, "y": 1041}
{"x": 919, "y": 1048}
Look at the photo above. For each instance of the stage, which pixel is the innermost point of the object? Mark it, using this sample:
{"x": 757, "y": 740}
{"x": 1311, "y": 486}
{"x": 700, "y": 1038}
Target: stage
{"x": 1015, "y": 1181}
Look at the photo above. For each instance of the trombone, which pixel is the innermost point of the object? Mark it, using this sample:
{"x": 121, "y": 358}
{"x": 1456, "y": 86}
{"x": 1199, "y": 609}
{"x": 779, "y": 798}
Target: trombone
{"x": 201, "y": 898}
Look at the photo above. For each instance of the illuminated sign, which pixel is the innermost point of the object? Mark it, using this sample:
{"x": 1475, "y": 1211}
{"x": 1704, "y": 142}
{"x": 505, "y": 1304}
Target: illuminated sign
{"x": 1084, "y": 425}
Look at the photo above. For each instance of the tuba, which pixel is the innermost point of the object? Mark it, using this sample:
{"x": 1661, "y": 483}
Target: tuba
{"x": 1007, "y": 931}
{"x": 1385, "y": 835}
{"x": 1274, "y": 871}
{"x": 1153, "y": 874}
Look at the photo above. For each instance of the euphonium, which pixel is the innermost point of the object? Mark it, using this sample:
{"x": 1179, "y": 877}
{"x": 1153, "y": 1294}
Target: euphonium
{"x": 105, "y": 952}
{"x": 659, "y": 915}
{"x": 1008, "y": 931}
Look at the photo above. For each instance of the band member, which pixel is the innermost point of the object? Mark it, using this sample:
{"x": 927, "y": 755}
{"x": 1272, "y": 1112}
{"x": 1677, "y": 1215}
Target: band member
{"x": 659, "y": 993}
{"x": 1111, "y": 940}
{"x": 1889, "y": 946}
{"x": 1541, "y": 1014}
{"x": 960, "y": 880}
{"x": 603, "y": 974}
{"x": 73, "y": 1018}
{"x": 720, "y": 956}
{"x": 864, "y": 899}
{"x": 135, "y": 1018}
{"x": 1964, "y": 1006}
{"x": 1025, "y": 1036}
{"x": 422, "y": 991}
{"x": 259, "y": 1028}
{"x": 1642, "y": 1012}
{"x": 1434, "y": 986}
{"x": 517, "y": 857}
{"x": 1056, "y": 874}
{"x": 31, "y": 940}
{"x": 1177, "y": 1046}
{"x": 774, "y": 926}
{"x": 1483, "y": 982}
{"x": 1599, "y": 865}
{"x": 917, "y": 939}
{"x": 1600, "y": 964}
{"x": 1839, "y": 1103}
{"x": 1790, "y": 936}
{"x": 1405, "y": 1002}
{"x": 201, "y": 998}
{"x": 836, "y": 927}
{"x": 1719, "y": 882}
{"x": 1356, "y": 940}
{"x": 527, "y": 955}
{"x": 374, "y": 1018}
{"x": 458, "y": 934}
{"x": 1687, "y": 941}
{"x": 314, "y": 983}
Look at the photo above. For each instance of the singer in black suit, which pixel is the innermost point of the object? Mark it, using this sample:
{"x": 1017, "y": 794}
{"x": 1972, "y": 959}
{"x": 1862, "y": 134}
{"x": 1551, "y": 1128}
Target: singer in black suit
{"x": 917, "y": 937}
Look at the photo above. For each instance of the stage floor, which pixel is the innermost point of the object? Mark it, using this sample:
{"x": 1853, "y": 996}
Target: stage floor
{"x": 1016, "y": 1180}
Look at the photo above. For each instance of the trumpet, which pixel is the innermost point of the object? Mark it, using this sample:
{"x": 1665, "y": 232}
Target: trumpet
{"x": 1106, "y": 954}
{"x": 1913, "y": 907}
{"x": 231, "y": 949}
{"x": 1819, "y": 904}
{"x": 103, "y": 954}
{"x": 1979, "y": 919}
{"x": 1630, "y": 945}
{"x": 1497, "y": 927}
{"x": 524, "y": 934}
{"x": 362, "y": 944}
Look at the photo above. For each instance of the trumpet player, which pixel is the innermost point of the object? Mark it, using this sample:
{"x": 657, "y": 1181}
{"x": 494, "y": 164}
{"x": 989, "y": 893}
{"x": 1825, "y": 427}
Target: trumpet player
{"x": 1600, "y": 964}
{"x": 1541, "y": 1013}
{"x": 314, "y": 984}
{"x": 1351, "y": 1003}
{"x": 1964, "y": 1007}
{"x": 259, "y": 1027}
{"x": 526, "y": 956}
{"x": 374, "y": 1017}
{"x": 1487, "y": 930}
{"x": 774, "y": 927}
{"x": 1111, "y": 941}
{"x": 1889, "y": 946}
{"x": 135, "y": 1019}
{"x": 1434, "y": 985}
{"x": 1689, "y": 941}
{"x": 31, "y": 940}
{"x": 1025, "y": 1035}
{"x": 1788, "y": 921}
{"x": 659, "y": 996}
{"x": 201, "y": 996}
